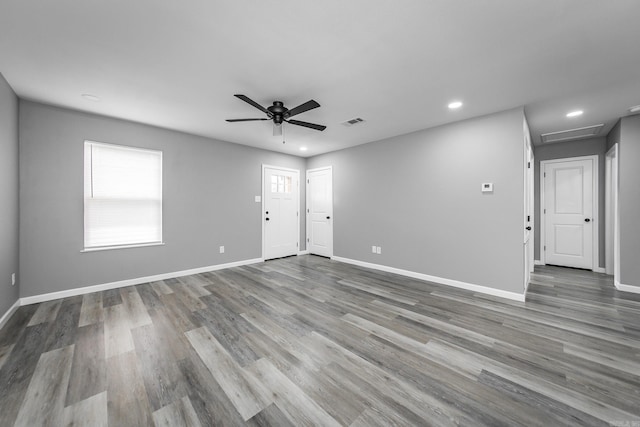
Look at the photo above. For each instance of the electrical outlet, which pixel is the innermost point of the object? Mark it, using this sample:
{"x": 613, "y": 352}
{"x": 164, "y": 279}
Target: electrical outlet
{"x": 221, "y": 249}
{"x": 373, "y": 249}
{"x": 13, "y": 279}
{"x": 379, "y": 250}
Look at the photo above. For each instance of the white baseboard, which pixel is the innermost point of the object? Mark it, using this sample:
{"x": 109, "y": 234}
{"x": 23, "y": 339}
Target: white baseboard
{"x": 130, "y": 282}
{"x": 455, "y": 283}
{"x": 538, "y": 262}
{"x": 306, "y": 252}
{"x": 626, "y": 288}
{"x": 5, "y": 317}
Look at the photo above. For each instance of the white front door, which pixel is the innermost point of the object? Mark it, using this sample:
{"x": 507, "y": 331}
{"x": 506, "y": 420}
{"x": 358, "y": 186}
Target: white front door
{"x": 280, "y": 212}
{"x": 320, "y": 211}
{"x": 569, "y": 213}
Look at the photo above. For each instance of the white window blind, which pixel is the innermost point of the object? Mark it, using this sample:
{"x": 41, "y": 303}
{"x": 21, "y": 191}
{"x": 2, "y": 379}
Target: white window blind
{"x": 122, "y": 195}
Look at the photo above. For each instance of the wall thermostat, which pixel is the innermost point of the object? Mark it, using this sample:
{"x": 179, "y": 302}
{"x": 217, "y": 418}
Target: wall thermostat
{"x": 487, "y": 187}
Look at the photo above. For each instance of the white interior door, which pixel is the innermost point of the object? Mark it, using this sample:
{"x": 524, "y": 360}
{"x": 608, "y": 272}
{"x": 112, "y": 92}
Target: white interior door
{"x": 280, "y": 212}
{"x": 569, "y": 213}
{"x": 320, "y": 211}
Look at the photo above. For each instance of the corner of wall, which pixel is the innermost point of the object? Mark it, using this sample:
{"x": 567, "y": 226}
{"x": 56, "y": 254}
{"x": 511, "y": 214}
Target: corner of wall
{"x": 613, "y": 137}
{"x": 9, "y": 194}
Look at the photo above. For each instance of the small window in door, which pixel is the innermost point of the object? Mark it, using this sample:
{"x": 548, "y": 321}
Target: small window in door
{"x": 280, "y": 184}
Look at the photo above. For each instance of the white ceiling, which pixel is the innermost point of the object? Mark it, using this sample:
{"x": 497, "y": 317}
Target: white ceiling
{"x": 397, "y": 64}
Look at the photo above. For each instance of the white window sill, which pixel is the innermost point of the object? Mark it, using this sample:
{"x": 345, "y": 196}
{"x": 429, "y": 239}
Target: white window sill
{"x": 109, "y": 248}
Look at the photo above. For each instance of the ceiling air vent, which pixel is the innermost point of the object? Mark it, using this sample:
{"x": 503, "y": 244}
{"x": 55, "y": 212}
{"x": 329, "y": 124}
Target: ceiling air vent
{"x": 571, "y": 134}
{"x": 353, "y": 121}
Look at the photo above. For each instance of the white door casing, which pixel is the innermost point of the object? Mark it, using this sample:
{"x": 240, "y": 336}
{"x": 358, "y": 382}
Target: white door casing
{"x": 528, "y": 206}
{"x": 280, "y": 215}
{"x": 569, "y": 212}
{"x": 320, "y": 211}
{"x": 612, "y": 236}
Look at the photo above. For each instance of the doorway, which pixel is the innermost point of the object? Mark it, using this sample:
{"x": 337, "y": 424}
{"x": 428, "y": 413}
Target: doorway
{"x": 569, "y": 212}
{"x": 280, "y": 212}
{"x": 320, "y": 211}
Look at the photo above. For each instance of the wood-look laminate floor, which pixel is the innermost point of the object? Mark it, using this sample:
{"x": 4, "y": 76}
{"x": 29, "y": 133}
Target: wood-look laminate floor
{"x": 309, "y": 341}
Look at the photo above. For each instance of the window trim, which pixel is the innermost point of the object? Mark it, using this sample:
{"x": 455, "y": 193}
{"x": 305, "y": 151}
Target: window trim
{"x": 110, "y": 248}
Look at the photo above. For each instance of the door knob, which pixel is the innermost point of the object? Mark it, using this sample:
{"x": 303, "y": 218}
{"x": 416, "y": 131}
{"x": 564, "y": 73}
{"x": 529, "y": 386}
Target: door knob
{"x": 587, "y": 220}
{"x": 328, "y": 217}
{"x": 528, "y": 228}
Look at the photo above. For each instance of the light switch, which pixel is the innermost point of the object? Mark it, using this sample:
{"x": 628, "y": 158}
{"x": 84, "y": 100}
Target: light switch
{"x": 258, "y": 199}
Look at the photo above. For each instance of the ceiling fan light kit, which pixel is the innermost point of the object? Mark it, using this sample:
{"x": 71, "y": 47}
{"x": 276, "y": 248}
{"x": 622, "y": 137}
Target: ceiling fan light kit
{"x": 280, "y": 114}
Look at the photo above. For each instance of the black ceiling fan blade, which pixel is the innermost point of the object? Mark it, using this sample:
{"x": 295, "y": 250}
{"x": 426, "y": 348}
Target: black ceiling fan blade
{"x": 245, "y": 120}
{"x": 309, "y": 105}
{"x": 252, "y": 102}
{"x": 307, "y": 124}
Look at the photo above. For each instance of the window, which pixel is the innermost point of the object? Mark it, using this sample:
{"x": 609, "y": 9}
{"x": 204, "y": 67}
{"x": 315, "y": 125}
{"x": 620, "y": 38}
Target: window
{"x": 122, "y": 196}
{"x": 280, "y": 184}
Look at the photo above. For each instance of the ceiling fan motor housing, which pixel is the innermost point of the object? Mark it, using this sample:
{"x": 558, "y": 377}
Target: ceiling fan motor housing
{"x": 278, "y": 112}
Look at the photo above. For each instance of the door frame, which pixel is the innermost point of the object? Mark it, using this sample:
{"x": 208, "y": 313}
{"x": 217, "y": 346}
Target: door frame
{"x": 307, "y": 204}
{"x": 262, "y": 205}
{"x": 529, "y": 207}
{"x": 595, "y": 217}
{"x": 612, "y": 221}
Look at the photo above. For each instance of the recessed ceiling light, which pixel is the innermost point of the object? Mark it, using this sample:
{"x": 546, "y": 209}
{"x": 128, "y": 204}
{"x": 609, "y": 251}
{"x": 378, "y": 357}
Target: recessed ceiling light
{"x": 90, "y": 97}
{"x": 455, "y": 104}
{"x": 575, "y": 113}
{"x": 303, "y": 148}
{"x": 635, "y": 109}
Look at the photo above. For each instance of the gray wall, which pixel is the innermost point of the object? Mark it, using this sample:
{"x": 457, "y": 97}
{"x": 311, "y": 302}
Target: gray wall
{"x": 629, "y": 200}
{"x": 614, "y": 136}
{"x": 418, "y": 197}
{"x": 561, "y": 150}
{"x": 209, "y": 188}
{"x": 8, "y": 196}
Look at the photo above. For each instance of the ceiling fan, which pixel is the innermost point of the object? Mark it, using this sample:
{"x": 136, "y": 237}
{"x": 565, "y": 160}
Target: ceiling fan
{"x": 279, "y": 114}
